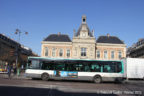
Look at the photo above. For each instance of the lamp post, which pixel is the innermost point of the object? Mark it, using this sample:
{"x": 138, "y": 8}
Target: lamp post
{"x": 18, "y": 32}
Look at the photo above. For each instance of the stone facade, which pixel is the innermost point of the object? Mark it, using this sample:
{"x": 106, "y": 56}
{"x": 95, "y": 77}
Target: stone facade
{"x": 57, "y": 46}
{"x": 83, "y": 45}
{"x": 136, "y": 50}
{"x": 116, "y": 48}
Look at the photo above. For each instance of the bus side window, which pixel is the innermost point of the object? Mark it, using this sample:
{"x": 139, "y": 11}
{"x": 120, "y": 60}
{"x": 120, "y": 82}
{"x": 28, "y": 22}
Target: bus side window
{"x": 60, "y": 66}
{"x": 112, "y": 68}
{"x": 106, "y": 68}
{"x": 44, "y": 66}
{"x": 95, "y": 68}
{"x": 118, "y": 67}
{"x": 70, "y": 67}
{"x": 87, "y": 68}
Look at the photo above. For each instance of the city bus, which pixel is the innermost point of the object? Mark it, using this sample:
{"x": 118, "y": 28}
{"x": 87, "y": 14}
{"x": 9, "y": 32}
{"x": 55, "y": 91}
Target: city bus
{"x": 75, "y": 69}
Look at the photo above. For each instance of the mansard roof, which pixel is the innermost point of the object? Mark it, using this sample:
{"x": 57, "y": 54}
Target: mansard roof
{"x": 58, "y": 38}
{"x": 80, "y": 28}
{"x": 109, "y": 39}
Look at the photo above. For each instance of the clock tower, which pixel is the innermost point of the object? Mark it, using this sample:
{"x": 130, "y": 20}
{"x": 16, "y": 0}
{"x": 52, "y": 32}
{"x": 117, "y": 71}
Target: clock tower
{"x": 83, "y": 41}
{"x": 84, "y": 31}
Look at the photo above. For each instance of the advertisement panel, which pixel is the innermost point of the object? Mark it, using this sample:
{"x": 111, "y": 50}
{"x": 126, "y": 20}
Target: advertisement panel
{"x": 65, "y": 73}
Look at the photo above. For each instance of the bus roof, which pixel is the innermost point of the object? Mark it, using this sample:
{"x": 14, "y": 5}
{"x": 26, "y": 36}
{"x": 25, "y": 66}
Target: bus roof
{"x": 46, "y": 58}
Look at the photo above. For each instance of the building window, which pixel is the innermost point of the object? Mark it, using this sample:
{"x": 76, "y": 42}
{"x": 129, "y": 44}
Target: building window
{"x": 119, "y": 54}
{"x": 46, "y": 51}
{"x": 105, "y": 54}
{"x": 53, "y": 52}
{"x": 98, "y": 54}
{"x": 83, "y": 51}
{"x": 68, "y": 53}
{"x": 112, "y": 55}
{"x": 61, "y": 52}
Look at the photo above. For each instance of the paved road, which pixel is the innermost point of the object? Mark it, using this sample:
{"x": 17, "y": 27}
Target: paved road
{"x": 28, "y": 87}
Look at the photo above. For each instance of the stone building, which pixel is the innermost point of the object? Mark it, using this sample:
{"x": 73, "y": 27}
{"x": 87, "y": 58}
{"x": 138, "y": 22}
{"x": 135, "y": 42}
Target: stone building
{"x": 83, "y": 45}
{"x": 136, "y": 50}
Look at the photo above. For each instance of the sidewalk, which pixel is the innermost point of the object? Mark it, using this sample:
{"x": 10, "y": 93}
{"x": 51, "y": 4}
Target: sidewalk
{"x": 5, "y": 76}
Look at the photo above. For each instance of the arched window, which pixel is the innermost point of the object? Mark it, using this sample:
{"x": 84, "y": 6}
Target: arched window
{"x": 98, "y": 54}
{"x": 112, "y": 55}
{"x": 83, "y": 51}
{"x": 46, "y": 51}
{"x": 53, "y": 52}
{"x": 61, "y": 52}
{"x": 84, "y": 20}
{"x": 68, "y": 52}
{"x": 119, "y": 54}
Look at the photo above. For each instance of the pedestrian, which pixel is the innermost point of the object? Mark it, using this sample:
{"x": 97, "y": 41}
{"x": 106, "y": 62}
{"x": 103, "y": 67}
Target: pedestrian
{"x": 9, "y": 71}
{"x": 14, "y": 69}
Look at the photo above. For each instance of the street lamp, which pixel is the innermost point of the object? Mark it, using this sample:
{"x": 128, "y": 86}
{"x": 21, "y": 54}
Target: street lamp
{"x": 18, "y": 32}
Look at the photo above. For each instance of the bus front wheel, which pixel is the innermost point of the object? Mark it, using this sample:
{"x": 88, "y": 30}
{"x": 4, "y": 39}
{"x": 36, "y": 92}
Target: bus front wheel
{"x": 45, "y": 76}
{"x": 97, "y": 79}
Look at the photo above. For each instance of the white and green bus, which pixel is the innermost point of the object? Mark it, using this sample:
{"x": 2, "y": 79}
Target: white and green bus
{"x": 75, "y": 69}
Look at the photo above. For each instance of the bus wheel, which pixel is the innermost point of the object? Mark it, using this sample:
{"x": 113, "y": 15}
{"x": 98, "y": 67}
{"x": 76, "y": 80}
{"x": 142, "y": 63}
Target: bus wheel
{"x": 45, "y": 76}
{"x": 97, "y": 79}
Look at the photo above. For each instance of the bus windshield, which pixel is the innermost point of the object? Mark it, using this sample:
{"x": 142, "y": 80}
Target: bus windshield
{"x": 33, "y": 64}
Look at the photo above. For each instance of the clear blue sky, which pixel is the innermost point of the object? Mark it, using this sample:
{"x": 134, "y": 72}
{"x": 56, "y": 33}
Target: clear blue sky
{"x": 122, "y": 18}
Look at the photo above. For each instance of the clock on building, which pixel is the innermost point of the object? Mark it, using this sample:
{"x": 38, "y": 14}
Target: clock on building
{"x": 83, "y": 34}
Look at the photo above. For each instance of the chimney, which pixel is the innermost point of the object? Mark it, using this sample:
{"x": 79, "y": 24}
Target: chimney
{"x": 59, "y": 33}
{"x": 108, "y": 35}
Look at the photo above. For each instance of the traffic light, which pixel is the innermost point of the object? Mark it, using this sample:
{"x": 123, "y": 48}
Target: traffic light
{"x": 11, "y": 52}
